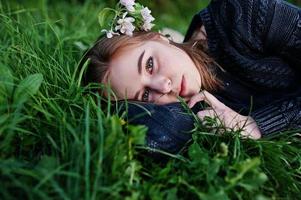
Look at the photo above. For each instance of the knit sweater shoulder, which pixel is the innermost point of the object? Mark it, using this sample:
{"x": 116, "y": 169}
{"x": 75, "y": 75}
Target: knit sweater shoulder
{"x": 258, "y": 41}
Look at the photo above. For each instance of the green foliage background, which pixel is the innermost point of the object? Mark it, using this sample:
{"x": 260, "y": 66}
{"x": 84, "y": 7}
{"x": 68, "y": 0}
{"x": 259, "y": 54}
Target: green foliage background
{"x": 56, "y": 143}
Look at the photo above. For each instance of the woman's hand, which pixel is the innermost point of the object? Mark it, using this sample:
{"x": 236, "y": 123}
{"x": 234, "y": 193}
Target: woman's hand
{"x": 228, "y": 117}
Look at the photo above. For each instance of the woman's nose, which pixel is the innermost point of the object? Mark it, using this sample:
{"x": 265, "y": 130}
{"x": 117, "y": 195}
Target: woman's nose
{"x": 161, "y": 84}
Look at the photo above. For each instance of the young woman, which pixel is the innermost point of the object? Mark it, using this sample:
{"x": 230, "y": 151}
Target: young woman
{"x": 243, "y": 58}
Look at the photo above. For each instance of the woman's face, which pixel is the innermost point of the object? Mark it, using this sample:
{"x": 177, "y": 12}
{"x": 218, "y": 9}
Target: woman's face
{"x": 154, "y": 71}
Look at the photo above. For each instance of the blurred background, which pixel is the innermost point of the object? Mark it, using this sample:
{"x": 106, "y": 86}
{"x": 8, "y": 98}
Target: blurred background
{"x": 168, "y": 13}
{"x": 175, "y": 14}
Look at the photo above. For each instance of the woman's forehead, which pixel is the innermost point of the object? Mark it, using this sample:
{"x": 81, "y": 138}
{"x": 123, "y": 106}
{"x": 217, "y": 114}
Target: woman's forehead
{"x": 125, "y": 54}
{"x": 126, "y": 50}
{"x": 135, "y": 48}
{"x": 123, "y": 73}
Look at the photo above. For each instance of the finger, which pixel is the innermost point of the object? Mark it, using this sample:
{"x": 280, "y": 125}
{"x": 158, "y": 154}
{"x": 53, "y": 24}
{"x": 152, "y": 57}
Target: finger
{"x": 212, "y": 114}
{"x": 209, "y": 113}
{"x": 208, "y": 98}
{"x": 196, "y": 98}
{"x": 212, "y": 100}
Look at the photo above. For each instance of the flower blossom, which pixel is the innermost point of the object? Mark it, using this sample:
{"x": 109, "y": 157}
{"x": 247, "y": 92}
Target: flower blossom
{"x": 146, "y": 14}
{"x": 109, "y": 33}
{"x": 125, "y": 25}
{"x": 148, "y": 18}
{"x": 147, "y": 26}
{"x": 129, "y": 4}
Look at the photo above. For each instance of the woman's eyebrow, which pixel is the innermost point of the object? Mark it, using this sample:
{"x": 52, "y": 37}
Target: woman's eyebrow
{"x": 140, "y": 62}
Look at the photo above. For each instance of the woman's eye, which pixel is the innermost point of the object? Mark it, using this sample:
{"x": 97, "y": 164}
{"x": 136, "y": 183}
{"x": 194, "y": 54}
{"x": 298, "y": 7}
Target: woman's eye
{"x": 145, "y": 95}
{"x": 150, "y": 65}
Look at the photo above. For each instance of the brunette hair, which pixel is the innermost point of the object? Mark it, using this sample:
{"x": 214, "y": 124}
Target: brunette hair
{"x": 104, "y": 49}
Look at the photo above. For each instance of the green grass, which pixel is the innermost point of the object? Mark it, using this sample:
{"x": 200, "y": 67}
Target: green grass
{"x": 57, "y": 143}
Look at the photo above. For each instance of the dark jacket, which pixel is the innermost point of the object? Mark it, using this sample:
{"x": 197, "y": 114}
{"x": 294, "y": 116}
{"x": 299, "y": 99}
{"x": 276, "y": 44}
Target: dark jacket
{"x": 258, "y": 43}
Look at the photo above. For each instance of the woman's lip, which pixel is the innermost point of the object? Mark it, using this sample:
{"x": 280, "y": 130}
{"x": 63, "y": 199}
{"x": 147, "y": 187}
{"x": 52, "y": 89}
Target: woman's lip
{"x": 183, "y": 87}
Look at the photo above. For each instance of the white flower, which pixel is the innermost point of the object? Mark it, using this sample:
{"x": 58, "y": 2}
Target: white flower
{"x": 147, "y": 26}
{"x": 146, "y": 15}
{"x": 109, "y": 33}
{"x": 129, "y": 4}
{"x": 125, "y": 25}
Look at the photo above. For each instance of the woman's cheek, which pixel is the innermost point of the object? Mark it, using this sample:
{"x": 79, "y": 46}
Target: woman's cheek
{"x": 156, "y": 64}
{"x": 164, "y": 99}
